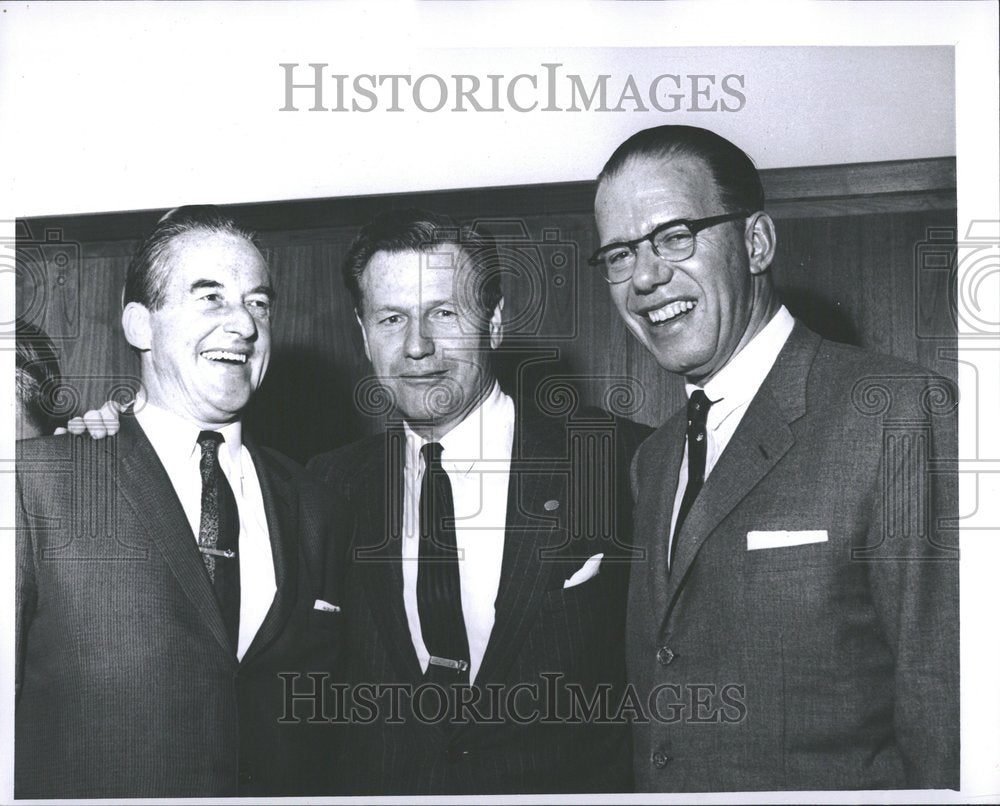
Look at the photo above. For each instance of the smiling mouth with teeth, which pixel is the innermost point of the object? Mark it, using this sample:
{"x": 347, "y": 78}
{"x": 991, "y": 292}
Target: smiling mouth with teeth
{"x": 225, "y": 357}
{"x": 670, "y": 312}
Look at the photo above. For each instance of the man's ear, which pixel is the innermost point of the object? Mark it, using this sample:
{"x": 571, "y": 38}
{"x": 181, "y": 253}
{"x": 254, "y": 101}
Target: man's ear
{"x": 761, "y": 241}
{"x": 496, "y": 325}
{"x": 137, "y": 327}
{"x": 364, "y": 336}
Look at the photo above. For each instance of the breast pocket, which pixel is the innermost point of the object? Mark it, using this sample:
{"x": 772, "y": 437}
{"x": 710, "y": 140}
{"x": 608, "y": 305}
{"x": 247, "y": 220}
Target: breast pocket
{"x": 324, "y": 631}
{"x": 582, "y": 624}
{"x": 788, "y": 559}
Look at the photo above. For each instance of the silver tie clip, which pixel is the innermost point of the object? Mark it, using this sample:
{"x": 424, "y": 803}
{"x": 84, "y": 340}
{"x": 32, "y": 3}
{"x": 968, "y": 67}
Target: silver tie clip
{"x": 448, "y": 663}
{"x": 227, "y": 553}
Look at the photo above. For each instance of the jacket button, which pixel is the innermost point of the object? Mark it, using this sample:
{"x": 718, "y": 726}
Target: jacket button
{"x": 660, "y": 760}
{"x": 665, "y": 655}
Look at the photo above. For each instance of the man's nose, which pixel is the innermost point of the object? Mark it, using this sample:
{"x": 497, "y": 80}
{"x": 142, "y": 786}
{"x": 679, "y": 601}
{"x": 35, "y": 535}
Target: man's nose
{"x": 241, "y": 322}
{"x": 650, "y": 269}
{"x": 417, "y": 344}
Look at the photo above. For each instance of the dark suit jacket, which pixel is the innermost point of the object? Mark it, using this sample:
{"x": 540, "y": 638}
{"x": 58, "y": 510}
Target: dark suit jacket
{"x": 826, "y": 665}
{"x": 126, "y": 683}
{"x": 560, "y": 492}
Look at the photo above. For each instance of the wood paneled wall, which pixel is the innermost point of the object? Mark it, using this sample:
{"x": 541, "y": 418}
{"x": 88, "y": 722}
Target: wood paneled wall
{"x": 864, "y": 256}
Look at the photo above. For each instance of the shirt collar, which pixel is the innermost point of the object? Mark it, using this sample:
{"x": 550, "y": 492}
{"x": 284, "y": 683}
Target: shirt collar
{"x": 471, "y": 439}
{"x": 177, "y": 438}
{"x": 738, "y": 381}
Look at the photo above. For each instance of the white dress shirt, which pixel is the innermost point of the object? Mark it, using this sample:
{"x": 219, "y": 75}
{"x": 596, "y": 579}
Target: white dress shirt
{"x": 731, "y": 391}
{"x": 175, "y": 441}
{"x": 476, "y": 457}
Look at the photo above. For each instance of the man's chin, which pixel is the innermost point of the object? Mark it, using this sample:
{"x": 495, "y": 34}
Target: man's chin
{"x": 433, "y": 404}
{"x": 225, "y": 409}
{"x": 425, "y": 417}
{"x": 676, "y": 362}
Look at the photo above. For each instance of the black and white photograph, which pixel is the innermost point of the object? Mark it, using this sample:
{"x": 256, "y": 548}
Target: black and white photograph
{"x": 497, "y": 401}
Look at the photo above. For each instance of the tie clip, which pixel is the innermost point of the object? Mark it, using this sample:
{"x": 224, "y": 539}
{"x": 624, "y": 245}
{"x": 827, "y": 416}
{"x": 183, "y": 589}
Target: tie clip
{"x": 448, "y": 663}
{"x": 226, "y": 553}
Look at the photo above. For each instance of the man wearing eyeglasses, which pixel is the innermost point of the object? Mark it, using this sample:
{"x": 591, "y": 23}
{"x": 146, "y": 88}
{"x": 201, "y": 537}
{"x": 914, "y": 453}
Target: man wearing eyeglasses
{"x": 795, "y": 623}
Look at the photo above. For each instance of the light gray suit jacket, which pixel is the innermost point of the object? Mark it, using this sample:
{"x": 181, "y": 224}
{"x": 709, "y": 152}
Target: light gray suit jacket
{"x": 822, "y": 665}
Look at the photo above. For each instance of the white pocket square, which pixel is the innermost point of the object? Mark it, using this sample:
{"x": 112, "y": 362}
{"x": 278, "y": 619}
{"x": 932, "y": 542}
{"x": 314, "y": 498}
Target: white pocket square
{"x": 326, "y": 607}
{"x": 590, "y": 569}
{"x": 781, "y": 539}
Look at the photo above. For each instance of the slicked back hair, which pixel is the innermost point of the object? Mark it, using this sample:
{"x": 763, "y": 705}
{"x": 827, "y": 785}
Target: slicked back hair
{"x": 412, "y": 230}
{"x": 146, "y": 278}
{"x": 734, "y": 173}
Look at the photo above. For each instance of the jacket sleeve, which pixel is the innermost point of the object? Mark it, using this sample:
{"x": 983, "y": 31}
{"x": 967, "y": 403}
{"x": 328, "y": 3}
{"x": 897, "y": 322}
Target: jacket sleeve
{"x": 913, "y": 569}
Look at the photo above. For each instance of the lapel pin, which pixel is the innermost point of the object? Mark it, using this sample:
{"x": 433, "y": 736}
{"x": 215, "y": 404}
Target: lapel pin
{"x": 551, "y": 506}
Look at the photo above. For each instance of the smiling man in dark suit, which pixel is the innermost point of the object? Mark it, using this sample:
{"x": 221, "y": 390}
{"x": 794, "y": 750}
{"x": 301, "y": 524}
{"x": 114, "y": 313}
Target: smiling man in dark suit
{"x": 801, "y": 589}
{"x": 166, "y": 576}
{"x": 476, "y": 575}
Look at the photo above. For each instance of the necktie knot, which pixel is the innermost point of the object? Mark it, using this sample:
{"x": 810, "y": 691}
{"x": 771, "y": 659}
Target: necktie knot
{"x": 209, "y": 441}
{"x": 431, "y": 453}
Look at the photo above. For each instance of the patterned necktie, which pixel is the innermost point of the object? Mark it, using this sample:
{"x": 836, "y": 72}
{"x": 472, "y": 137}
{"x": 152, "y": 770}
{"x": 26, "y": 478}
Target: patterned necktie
{"x": 439, "y": 589}
{"x": 218, "y": 533}
{"x": 697, "y": 416}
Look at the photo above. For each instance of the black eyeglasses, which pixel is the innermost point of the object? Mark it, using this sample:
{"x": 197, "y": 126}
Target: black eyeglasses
{"x": 673, "y": 240}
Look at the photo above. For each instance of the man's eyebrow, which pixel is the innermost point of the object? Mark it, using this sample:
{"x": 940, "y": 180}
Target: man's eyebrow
{"x": 431, "y": 302}
{"x": 197, "y": 285}
{"x": 267, "y": 290}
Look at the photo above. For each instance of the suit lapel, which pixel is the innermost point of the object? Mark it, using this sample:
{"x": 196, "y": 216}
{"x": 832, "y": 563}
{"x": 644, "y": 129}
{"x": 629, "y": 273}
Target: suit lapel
{"x": 530, "y": 542}
{"x": 281, "y": 507}
{"x": 378, "y": 550}
{"x": 654, "y": 509}
{"x": 763, "y": 436}
{"x": 145, "y": 486}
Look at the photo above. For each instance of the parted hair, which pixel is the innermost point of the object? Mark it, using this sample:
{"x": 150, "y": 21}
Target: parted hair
{"x": 734, "y": 173}
{"x": 145, "y": 280}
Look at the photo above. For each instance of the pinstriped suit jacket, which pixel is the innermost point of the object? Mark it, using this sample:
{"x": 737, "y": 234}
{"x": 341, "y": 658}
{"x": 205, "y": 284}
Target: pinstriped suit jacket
{"x": 126, "y": 683}
{"x": 575, "y": 635}
{"x": 840, "y": 656}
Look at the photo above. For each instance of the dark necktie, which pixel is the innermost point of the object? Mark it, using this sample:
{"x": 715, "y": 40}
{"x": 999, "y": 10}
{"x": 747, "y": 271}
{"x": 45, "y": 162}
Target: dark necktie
{"x": 439, "y": 589}
{"x": 218, "y": 533}
{"x": 697, "y": 415}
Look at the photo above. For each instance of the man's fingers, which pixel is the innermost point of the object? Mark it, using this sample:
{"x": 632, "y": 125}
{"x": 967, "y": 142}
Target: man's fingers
{"x": 111, "y": 425}
{"x": 110, "y": 411}
{"x": 95, "y": 424}
{"x": 110, "y": 414}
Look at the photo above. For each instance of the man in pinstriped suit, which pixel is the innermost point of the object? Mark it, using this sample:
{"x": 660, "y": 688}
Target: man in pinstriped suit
{"x": 533, "y": 598}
